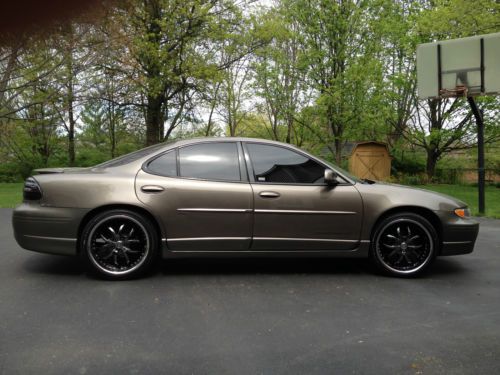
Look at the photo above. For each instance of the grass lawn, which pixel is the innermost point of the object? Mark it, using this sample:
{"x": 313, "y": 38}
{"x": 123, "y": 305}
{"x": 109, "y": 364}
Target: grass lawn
{"x": 468, "y": 194}
{"x": 11, "y": 194}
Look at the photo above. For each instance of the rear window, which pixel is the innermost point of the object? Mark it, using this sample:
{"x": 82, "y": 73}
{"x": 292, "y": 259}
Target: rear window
{"x": 133, "y": 156}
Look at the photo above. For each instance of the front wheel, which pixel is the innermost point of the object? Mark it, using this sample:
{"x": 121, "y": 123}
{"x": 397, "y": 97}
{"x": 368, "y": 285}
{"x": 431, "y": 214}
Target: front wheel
{"x": 119, "y": 244}
{"x": 404, "y": 245}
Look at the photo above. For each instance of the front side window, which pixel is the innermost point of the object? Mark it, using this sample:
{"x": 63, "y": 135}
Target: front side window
{"x": 281, "y": 165}
{"x": 210, "y": 161}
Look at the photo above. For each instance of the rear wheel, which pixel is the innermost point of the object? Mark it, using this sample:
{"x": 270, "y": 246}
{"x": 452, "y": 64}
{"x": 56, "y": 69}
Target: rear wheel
{"x": 404, "y": 245}
{"x": 120, "y": 244}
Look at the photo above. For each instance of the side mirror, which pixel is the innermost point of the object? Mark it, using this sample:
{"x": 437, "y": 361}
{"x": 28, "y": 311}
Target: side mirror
{"x": 330, "y": 177}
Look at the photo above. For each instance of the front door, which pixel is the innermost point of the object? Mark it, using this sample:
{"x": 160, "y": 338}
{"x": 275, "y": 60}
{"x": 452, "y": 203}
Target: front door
{"x": 294, "y": 209}
{"x": 201, "y": 194}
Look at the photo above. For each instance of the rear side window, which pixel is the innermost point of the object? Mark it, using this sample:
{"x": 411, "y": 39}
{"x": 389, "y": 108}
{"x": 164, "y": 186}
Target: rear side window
{"x": 210, "y": 161}
{"x": 165, "y": 165}
{"x": 280, "y": 165}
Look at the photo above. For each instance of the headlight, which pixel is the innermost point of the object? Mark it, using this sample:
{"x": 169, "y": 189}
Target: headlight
{"x": 462, "y": 212}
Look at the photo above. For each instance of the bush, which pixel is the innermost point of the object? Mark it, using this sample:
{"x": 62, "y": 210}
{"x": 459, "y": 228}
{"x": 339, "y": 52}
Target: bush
{"x": 407, "y": 165}
{"x": 448, "y": 176}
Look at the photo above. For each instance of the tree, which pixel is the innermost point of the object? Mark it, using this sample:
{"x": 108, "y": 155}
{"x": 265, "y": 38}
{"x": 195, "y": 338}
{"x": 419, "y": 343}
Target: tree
{"x": 280, "y": 74}
{"x": 166, "y": 41}
{"x": 340, "y": 44}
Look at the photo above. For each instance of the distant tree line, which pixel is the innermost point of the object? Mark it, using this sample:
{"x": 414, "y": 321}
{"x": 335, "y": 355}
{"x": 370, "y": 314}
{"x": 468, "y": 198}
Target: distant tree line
{"x": 315, "y": 73}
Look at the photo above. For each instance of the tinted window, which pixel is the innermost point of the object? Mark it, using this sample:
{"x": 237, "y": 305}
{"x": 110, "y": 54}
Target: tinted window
{"x": 277, "y": 164}
{"x": 210, "y": 161}
{"x": 133, "y": 156}
{"x": 165, "y": 165}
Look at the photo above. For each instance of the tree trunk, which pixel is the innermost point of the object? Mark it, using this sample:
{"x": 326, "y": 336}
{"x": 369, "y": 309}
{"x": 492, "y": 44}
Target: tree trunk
{"x": 430, "y": 168}
{"x": 338, "y": 151}
{"x": 11, "y": 64}
{"x": 289, "y": 129}
{"x": 71, "y": 115}
{"x": 154, "y": 119}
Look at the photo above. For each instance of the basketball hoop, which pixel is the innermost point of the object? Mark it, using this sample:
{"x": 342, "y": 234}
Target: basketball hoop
{"x": 458, "y": 91}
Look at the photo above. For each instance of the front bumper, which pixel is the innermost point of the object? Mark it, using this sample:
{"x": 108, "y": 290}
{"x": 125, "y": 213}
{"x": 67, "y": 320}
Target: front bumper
{"x": 50, "y": 230}
{"x": 458, "y": 234}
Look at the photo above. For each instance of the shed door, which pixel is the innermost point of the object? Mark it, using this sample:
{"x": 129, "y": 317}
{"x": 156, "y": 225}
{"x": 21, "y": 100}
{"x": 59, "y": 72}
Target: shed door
{"x": 370, "y": 163}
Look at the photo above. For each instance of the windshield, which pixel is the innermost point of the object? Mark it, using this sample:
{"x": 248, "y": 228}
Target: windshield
{"x": 129, "y": 158}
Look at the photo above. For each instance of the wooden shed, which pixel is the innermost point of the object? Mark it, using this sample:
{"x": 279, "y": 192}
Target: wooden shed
{"x": 370, "y": 160}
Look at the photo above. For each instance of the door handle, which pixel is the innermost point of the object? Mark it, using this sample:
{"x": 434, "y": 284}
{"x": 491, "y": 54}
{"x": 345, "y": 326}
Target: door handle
{"x": 269, "y": 194}
{"x": 151, "y": 189}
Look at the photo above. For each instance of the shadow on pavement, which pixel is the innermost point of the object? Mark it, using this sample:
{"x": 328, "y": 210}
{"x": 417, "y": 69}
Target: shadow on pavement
{"x": 68, "y": 266}
{"x": 265, "y": 266}
{"x": 54, "y": 265}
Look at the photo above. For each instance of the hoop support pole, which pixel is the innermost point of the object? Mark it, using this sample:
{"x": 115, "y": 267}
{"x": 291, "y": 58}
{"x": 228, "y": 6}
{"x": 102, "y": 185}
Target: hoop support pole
{"x": 478, "y": 115}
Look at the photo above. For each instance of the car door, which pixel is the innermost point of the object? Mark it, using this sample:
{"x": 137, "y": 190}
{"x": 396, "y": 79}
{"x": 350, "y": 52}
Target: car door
{"x": 202, "y": 195}
{"x": 293, "y": 207}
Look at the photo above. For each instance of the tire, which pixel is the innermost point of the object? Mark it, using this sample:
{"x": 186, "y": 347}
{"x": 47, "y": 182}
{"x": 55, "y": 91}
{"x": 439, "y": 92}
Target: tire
{"x": 404, "y": 245}
{"x": 119, "y": 244}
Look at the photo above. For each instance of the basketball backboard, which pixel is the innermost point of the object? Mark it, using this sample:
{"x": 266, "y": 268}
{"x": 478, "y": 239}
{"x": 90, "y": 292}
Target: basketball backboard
{"x": 459, "y": 67}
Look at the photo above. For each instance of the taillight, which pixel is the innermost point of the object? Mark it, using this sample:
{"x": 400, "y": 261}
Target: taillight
{"x": 32, "y": 190}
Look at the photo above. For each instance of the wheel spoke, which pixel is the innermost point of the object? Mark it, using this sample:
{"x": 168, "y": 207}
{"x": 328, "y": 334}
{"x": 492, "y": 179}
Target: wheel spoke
{"x": 115, "y": 236}
{"x": 109, "y": 255}
{"x": 413, "y": 238}
{"x": 391, "y": 237}
{"x": 390, "y": 246}
{"x": 414, "y": 246}
{"x": 393, "y": 252}
{"x": 129, "y": 250}
{"x": 120, "y": 229}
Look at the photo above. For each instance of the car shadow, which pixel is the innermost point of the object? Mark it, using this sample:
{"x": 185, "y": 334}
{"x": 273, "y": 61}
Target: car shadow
{"x": 442, "y": 267}
{"x": 54, "y": 265}
{"x": 264, "y": 266}
{"x": 72, "y": 266}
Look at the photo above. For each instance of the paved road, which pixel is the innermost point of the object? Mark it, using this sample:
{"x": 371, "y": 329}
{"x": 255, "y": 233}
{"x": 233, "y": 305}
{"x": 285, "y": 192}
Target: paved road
{"x": 250, "y": 316}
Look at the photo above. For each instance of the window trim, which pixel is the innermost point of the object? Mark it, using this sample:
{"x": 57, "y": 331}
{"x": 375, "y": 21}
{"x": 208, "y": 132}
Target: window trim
{"x": 251, "y": 172}
{"x": 241, "y": 164}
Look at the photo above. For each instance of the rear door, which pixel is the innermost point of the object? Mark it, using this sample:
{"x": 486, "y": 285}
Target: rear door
{"x": 293, "y": 207}
{"x": 202, "y": 195}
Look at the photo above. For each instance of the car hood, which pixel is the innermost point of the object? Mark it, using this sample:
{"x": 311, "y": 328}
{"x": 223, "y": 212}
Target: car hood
{"x": 406, "y": 195}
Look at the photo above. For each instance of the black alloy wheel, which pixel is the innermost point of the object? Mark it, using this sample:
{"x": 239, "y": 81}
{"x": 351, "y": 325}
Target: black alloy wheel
{"x": 404, "y": 245}
{"x": 120, "y": 244}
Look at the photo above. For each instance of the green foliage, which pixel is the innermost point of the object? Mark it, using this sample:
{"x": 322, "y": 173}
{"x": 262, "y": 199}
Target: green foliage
{"x": 314, "y": 73}
{"x": 11, "y": 194}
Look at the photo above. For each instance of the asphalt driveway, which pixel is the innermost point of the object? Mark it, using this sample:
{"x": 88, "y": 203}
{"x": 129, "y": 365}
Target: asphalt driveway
{"x": 250, "y": 316}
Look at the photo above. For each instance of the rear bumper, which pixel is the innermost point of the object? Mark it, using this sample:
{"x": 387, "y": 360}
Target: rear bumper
{"x": 458, "y": 235}
{"x": 50, "y": 230}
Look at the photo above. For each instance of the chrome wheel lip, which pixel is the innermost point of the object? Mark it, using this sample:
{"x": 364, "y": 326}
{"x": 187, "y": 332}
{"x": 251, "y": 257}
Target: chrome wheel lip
{"x": 413, "y": 270}
{"x": 127, "y": 271}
